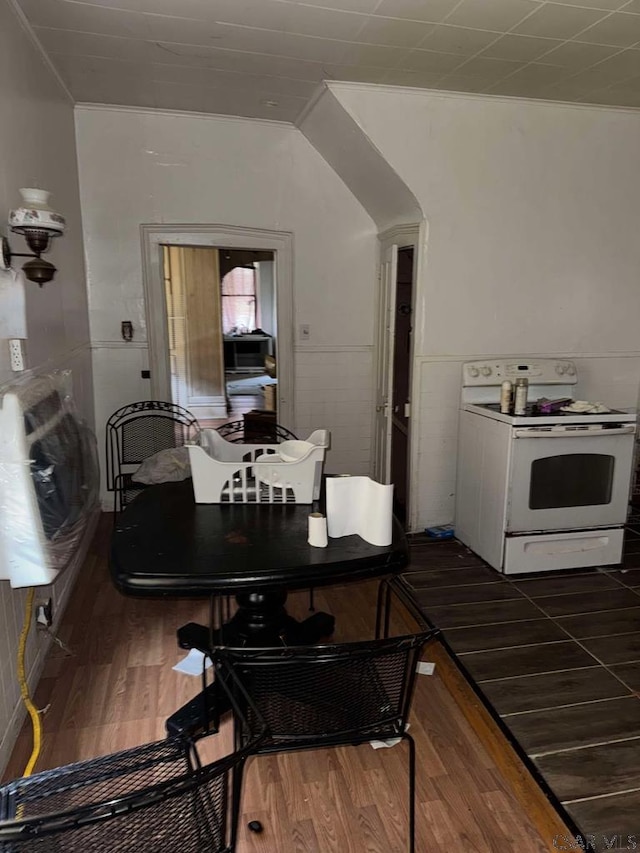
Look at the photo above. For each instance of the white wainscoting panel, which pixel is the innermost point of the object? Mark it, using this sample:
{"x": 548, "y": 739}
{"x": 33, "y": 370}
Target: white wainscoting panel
{"x": 612, "y": 381}
{"x": 436, "y": 436}
{"x": 117, "y": 372}
{"x": 334, "y": 391}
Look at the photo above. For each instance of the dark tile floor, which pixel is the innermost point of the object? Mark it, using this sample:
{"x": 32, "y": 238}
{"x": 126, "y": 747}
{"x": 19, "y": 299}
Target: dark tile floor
{"x": 557, "y": 657}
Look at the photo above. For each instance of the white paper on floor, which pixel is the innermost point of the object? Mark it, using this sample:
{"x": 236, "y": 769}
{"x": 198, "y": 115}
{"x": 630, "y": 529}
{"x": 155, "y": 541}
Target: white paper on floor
{"x": 192, "y": 663}
{"x": 382, "y": 744}
{"x": 425, "y": 667}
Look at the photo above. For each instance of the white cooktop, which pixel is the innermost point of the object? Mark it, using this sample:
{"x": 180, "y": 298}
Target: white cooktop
{"x": 492, "y": 410}
{"x": 550, "y": 378}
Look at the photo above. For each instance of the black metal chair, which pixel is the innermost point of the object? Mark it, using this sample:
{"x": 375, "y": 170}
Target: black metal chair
{"x": 155, "y": 798}
{"x": 396, "y": 588}
{"x": 254, "y": 432}
{"x": 326, "y": 696}
{"x": 137, "y": 431}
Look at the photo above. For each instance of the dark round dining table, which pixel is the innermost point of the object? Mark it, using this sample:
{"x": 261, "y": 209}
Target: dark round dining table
{"x": 164, "y": 544}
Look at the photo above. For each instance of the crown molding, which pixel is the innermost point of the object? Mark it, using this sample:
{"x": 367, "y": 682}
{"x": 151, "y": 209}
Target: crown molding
{"x": 444, "y": 94}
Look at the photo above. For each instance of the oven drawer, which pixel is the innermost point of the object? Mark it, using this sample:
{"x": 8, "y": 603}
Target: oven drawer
{"x": 547, "y": 552}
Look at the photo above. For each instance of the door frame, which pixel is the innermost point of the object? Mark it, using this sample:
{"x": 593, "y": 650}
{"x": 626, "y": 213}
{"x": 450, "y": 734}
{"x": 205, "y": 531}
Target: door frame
{"x": 384, "y": 361}
{"x": 218, "y": 236}
{"x": 402, "y": 236}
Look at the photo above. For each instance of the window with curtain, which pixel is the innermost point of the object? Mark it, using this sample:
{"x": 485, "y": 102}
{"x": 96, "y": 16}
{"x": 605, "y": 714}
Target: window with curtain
{"x": 239, "y": 311}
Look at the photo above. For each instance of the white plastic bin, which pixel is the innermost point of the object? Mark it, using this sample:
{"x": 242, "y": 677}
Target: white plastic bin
{"x": 225, "y": 472}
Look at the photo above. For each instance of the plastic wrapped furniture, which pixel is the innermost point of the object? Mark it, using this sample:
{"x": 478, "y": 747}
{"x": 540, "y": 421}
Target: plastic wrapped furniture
{"x": 332, "y": 695}
{"x": 137, "y": 431}
{"x": 224, "y": 472}
{"x": 48, "y": 479}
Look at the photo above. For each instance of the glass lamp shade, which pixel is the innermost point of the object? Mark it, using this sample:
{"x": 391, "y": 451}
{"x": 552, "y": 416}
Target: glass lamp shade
{"x": 36, "y": 215}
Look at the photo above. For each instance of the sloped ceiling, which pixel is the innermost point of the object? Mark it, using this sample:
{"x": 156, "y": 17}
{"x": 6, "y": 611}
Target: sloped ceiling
{"x": 352, "y": 155}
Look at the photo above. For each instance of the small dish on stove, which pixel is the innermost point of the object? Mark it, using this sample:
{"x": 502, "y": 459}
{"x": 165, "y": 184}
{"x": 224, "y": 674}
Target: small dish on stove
{"x": 584, "y": 407}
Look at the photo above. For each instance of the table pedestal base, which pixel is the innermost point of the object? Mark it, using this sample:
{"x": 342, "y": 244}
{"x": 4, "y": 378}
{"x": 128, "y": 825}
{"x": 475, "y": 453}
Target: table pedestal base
{"x": 261, "y": 620}
{"x": 290, "y": 633}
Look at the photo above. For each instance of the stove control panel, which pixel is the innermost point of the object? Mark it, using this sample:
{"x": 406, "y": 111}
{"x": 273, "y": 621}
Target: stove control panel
{"x": 540, "y": 371}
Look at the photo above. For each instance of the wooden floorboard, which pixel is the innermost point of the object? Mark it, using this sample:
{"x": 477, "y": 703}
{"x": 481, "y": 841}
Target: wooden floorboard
{"x": 117, "y": 687}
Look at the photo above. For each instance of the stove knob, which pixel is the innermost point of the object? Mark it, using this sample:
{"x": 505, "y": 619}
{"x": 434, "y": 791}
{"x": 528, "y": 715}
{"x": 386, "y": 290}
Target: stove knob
{"x": 473, "y": 371}
{"x": 571, "y": 370}
{"x": 560, "y": 369}
{"x": 486, "y": 371}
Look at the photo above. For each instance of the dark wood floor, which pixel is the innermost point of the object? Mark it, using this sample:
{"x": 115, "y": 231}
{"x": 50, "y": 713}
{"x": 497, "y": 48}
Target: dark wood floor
{"x": 117, "y": 687}
{"x": 558, "y": 657}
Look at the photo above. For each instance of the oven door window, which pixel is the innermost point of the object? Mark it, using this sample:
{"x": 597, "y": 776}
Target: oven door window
{"x": 574, "y": 479}
{"x": 568, "y": 483}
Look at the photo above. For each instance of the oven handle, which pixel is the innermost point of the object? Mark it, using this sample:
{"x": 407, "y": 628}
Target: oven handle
{"x": 577, "y": 433}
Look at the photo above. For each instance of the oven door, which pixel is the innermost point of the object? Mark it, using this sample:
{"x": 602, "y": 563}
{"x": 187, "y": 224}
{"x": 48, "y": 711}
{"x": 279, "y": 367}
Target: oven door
{"x": 569, "y": 477}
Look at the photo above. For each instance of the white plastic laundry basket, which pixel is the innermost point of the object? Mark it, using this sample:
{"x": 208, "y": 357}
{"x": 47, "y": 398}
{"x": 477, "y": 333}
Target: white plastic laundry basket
{"x": 226, "y": 472}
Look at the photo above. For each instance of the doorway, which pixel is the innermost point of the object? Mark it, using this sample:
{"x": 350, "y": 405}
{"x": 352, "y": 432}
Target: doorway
{"x": 250, "y": 330}
{"x": 221, "y": 330}
{"x": 401, "y": 389}
{"x": 394, "y": 364}
{"x": 219, "y": 304}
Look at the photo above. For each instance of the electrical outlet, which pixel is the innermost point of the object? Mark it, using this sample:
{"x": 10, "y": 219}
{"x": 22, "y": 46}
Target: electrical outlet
{"x": 44, "y": 614}
{"x": 16, "y": 354}
{"x": 305, "y": 332}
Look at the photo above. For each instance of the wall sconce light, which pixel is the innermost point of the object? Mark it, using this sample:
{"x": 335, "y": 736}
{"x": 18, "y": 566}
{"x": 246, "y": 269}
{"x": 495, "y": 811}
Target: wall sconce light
{"x": 38, "y": 224}
{"x": 126, "y": 329}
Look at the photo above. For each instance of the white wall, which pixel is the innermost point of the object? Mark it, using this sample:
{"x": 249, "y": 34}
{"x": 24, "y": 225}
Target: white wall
{"x": 37, "y": 148}
{"x": 150, "y": 167}
{"x": 533, "y": 212}
{"x": 353, "y": 156}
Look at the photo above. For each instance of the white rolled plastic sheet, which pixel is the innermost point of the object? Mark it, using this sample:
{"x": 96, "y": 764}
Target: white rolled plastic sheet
{"x": 49, "y": 479}
{"x": 359, "y": 505}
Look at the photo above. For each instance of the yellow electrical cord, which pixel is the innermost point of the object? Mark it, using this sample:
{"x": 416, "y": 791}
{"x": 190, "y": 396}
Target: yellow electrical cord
{"x": 24, "y": 687}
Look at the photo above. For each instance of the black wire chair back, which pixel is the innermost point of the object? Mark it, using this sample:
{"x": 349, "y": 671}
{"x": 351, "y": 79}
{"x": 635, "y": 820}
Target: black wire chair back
{"x": 254, "y": 432}
{"x": 341, "y": 693}
{"x": 137, "y": 431}
{"x": 332, "y": 695}
{"x": 154, "y": 798}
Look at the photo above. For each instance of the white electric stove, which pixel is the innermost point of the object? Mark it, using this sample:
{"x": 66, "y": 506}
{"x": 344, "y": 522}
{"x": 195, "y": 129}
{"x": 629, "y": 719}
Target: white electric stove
{"x": 544, "y": 490}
